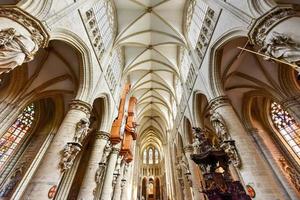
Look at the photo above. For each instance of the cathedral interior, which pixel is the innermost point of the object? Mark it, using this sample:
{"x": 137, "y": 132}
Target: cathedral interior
{"x": 150, "y": 99}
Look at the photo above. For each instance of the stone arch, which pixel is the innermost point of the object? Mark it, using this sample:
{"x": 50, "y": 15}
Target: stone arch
{"x": 259, "y": 7}
{"x": 200, "y": 106}
{"x": 214, "y": 70}
{"x": 257, "y": 119}
{"x": 106, "y": 112}
{"x": 188, "y": 131}
{"x": 86, "y": 78}
{"x": 49, "y": 115}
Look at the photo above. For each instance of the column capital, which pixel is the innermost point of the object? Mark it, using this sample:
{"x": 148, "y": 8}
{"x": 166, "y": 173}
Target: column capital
{"x": 115, "y": 150}
{"x": 264, "y": 24}
{"x": 81, "y": 105}
{"x": 102, "y": 135}
{"x": 219, "y": 102}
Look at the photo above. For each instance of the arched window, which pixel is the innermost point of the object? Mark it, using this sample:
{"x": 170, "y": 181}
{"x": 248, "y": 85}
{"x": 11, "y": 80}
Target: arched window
{"x": 16, "y": 133}
{"x": 287, "y": 127}
{"x": 156, "y": 156}
{"x": 150, "y": 156}
{"x": 145, "y": 157}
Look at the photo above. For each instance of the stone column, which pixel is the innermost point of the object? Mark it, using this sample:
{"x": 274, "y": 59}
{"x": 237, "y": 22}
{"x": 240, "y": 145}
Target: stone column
{"x": 108, "y": 181}
{"x": 89, "y": 183}
{"x": 188, "y": 150}
{"x": 48, "y": 173}
{"x": 125, "y": 180}
{"x": 117, "y": 189}
{"x": 254, "y": 169}
{"x": 262, "y": 139}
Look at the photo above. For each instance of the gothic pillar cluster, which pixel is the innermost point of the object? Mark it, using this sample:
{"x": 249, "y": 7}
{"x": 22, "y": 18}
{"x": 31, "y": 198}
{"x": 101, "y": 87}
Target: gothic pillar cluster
{"x": 60, "y": 155}
{"x": 254, "y": 170}
{"x": 107, "y": 189}
{"x": 89, "y": 183}
{"x": 195, "y": 175}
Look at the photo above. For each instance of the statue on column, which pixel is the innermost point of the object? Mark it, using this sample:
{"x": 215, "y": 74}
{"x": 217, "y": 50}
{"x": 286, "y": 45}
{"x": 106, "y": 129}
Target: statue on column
{"x": 69, "y": 154}
{"x": 102, "y": 165}
{"x": 283, "y": 47}
{"x": 82, "y": 129}
{"x": 15, "y": 49}
{"x": 219, "y": 125}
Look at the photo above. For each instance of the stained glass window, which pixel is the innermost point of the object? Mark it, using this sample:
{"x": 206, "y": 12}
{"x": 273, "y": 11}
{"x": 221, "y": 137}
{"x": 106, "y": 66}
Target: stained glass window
{"x": 15, "y": 133}
{"x": 150, "y": 156}
{"x": 156, "y": 156}
{"x": 287, "y": 126}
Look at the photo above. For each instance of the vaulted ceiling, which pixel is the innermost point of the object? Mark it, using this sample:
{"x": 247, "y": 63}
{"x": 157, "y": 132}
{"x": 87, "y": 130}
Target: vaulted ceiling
{"x": 150, "y": 31}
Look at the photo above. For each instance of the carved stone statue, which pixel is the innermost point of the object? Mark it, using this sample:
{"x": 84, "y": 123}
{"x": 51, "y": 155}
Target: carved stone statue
{"x": 219, "y": 125}
{"x": 281, "y": 46}
{"x": 107, "y": 150}
{"x": 69, "y": 154}
{"x": 231, "y": 151}
{"x": 100, "y": 173}
{"x": 15, "y": 49}
{"x": 82, "y": 129}
{"x": 102, "y": 165}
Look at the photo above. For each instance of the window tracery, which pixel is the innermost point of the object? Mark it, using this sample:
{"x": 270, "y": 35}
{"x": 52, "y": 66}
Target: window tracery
{"x": 286, "y": 126}
{"x": 156, "y": 156}
{"x": 150, "y": 154}
{"x": 16, "y": 133}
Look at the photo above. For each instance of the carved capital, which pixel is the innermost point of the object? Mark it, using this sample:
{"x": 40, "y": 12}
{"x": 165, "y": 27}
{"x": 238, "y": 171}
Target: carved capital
{"x": 81, "y": 105}
{"x": 219, "y": 102}
{"x": 34, "y": 26}
{"x": 263, "y": 25}
{"x": 115, "y": 150}
{"x": 68, "y": 155}
{"x": 102, "y": 135}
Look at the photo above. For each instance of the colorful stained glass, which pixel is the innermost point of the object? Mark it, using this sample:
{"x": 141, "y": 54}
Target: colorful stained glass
{"x": 287, "y": 126}
{"x": 15, "y": 134}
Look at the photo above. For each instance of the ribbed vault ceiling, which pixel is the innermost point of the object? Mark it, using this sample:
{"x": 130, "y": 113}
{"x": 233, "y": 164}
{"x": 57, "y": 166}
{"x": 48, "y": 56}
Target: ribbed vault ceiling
{"x": 150, "y": 31}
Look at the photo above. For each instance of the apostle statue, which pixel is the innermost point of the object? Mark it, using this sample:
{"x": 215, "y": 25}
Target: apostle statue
{"x": 219, "y": 125}
{"x": 82, "y": 129}
{"x": 69, "y": 154}
{"x": 102, "y": 165}
{"x": 15, "y": 49}
{"x": 281, "y": 46}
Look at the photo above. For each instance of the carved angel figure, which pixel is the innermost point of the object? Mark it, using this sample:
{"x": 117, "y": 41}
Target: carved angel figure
{"x": 82, "y": 129}
{"x": 281, "y": 46}
{"x": 15, "y": 49}
{"x": 219, "y": 125}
